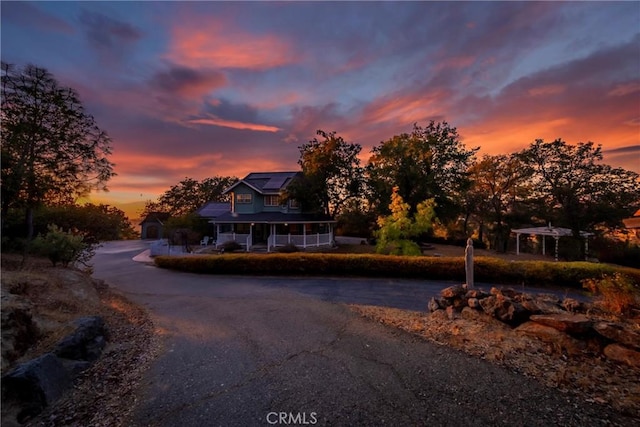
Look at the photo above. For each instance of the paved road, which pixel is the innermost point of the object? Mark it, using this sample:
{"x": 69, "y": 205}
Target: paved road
{"x": 241, "y": 351}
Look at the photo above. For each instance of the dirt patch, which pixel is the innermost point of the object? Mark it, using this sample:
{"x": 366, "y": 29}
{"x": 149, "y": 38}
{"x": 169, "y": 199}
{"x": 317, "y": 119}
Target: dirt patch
{"x": 592, "y": 378}
{"x": 53, "y": 298}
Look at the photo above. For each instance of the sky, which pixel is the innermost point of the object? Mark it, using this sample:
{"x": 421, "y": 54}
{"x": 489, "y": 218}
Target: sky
{"x": 198, "y": 89}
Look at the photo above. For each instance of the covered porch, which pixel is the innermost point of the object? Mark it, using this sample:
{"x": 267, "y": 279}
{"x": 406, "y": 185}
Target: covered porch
{"x": 252, "y": 233}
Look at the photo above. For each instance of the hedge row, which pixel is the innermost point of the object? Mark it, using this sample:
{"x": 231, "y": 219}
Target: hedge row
{"x": 486, "y": 269}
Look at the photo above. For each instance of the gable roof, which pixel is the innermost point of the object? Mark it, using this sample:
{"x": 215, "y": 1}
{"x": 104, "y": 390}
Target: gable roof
{"x": 214, "y": 209}
{"x": 160, "y": 217}
{"x": 266, "y": 182}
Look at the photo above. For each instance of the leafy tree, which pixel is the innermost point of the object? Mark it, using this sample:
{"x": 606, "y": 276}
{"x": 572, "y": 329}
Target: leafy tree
{"x": 331, "y": 174}
{"x": 398, "y": 230}
{"x": 572, "y": 188}
{"x": 497, "y": 192}
{"x": 97, "y": 223}
{"x": 189, "y": 195}
{"x": 430, "y": 162}
{"x": 52, "y": 150}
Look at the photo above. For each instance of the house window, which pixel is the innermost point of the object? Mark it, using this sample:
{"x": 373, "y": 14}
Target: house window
{"x": 243, "y": 198}
{"x": 271, "y": 200}
{"x": 294, "y": 204}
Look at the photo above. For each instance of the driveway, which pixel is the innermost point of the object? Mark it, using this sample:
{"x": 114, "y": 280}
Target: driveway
{"x": 243, "y": 351}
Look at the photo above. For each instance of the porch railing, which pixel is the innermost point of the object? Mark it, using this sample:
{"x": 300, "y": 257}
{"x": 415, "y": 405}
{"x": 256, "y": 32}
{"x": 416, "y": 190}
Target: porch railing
{"x": 241, "y": 239}
{"x": 300, "y": 240}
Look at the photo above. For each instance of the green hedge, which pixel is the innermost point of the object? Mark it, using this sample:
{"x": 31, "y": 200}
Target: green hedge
{"x": 489, "y": 270}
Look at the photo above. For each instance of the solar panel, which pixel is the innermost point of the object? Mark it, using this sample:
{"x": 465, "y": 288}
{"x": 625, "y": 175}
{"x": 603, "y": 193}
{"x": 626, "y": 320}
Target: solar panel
{"x": 275, "y": 182}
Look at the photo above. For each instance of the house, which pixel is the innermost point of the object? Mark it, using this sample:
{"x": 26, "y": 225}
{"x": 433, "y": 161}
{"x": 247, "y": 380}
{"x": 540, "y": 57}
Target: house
{"x": 212, "y": 211}
{"x": 153, "y": 224}
{"x": 259, "y": 217}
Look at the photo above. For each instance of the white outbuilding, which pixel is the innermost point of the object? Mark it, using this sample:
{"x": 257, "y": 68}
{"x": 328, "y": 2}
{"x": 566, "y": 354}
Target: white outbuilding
{"x": 555, "y": 232}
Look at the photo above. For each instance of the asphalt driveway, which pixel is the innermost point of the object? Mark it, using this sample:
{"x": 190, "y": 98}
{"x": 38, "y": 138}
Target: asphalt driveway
{"x": 243, "y": 351}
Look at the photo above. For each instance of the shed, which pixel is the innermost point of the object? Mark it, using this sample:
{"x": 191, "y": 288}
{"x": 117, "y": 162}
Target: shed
{"x": 555, "y": 232}
{"x": 153, "y": 225}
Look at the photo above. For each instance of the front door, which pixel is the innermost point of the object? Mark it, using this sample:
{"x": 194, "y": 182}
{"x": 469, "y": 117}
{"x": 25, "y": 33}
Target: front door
{"x": 260, "y": 234}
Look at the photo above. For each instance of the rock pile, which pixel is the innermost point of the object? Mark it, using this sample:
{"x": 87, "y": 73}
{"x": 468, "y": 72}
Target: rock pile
{"x": 35, "y": 384}
{"x": 570, "y": 326}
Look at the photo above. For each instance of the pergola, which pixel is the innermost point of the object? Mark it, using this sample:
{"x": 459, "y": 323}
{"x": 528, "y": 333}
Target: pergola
{"x": 555, "y": 232}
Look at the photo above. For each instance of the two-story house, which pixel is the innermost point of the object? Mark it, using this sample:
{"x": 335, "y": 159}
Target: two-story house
{"x": 260, "y": 217}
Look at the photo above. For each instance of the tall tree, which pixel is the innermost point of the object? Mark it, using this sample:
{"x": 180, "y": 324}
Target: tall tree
{"x": 574, "y": 189}
{"x": 430, "y": 162}
{"x": 498, "y": 188}
{"x": 189, "y": 195}
{"x": 52, "y": 150}
{"x": 331, "y": 174}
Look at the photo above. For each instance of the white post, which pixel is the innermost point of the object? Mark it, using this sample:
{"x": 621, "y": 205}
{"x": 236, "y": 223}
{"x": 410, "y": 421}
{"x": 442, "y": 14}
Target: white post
{"x": 557, "y": 238}
{"x": 304, "y": 236}
{"x": 544, "y": 239}
{"x": 468, "y": 262}
{"x": 517, "y": 243}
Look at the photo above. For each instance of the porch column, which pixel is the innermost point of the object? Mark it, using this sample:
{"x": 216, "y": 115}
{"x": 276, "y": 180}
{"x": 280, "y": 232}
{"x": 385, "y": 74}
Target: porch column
{"x": 304, "y": 235}
{"x": 557, "y": 239}
{"x": 544, "y": 239}
{"x": 517, "y": 243}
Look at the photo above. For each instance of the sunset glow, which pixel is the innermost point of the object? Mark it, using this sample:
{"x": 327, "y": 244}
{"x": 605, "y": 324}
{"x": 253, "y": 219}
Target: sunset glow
{"x": 197, "y": 89}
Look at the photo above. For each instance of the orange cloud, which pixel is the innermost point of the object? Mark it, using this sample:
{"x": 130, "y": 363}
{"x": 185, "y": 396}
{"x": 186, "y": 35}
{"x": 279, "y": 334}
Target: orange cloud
{"x": 216, "y": 44}
{"x": 624, "y": 89}
{"x": 214, "y": 121}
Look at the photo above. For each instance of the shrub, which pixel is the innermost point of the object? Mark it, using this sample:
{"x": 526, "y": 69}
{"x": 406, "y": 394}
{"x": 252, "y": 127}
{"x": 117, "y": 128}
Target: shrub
{"x": 231, "y": 246}
{"x": 616, "y": 293}
{"x": 62, "y": 247}
{"x": 487, "y": 270}
{"x": 288, "y": 249}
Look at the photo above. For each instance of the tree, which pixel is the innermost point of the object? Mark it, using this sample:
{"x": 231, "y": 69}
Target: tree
{"x": 189, "y": 195}
{"x": 498, "y": 188}
{"x": 97, "y": 223}
{"x": 331, "y": 174}
{"x": 430, "y": 162}
{"x": 575, "y": 190}
{"x": 399, "y": 228}
{"x": 52, "y": 150}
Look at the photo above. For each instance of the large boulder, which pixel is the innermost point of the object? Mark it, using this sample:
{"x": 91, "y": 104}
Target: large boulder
{"x": 33, "y": 385}
{"x": 576, "y": 324}
{"x": 456, "y": 291}
{"x": 86, "y": 342}
{"x": 622, "y": 354}
{"x": 619, "y": 333}
{"x": 559, "y": 341}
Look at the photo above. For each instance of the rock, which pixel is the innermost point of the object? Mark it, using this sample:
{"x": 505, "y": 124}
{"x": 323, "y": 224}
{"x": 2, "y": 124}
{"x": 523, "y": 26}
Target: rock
{"x": 504, "y": 309}
{"x": 433, "y": 305}
{"x": 572, "y": 305}
{"x": 443, "y": 302}
{"x": 451, "y": 313}
{"x": 622, "y": 354}
{"x": 471, "y": 314}
{"x": 35, "y": 384}
{"x": 476, "y": 293}
{"x": 531, "y": 306}
{"x": 619, "y": 333}
{"x": 577, "y": 324}
{"x": 18, "y": 328}
{"x": 473, "y": 303}
{"x": 559, "y": 340}
{"x": 456, "y": 291}
{"x": 510, "y": 293}
{"x": 85, "y": 343}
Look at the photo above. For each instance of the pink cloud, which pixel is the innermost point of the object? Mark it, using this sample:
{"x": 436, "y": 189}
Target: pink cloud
{"x": 217, "y": 44}
{"x": 215, "y": 121}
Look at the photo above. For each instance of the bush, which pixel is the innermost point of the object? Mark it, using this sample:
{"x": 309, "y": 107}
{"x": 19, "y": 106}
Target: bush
{"x": 289, "y": 248}
{"x": 62, "y": 247}
{"x": 487, "y": 270}
{"x": 616, "y": 293}
{"x": 231, "y": 246}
